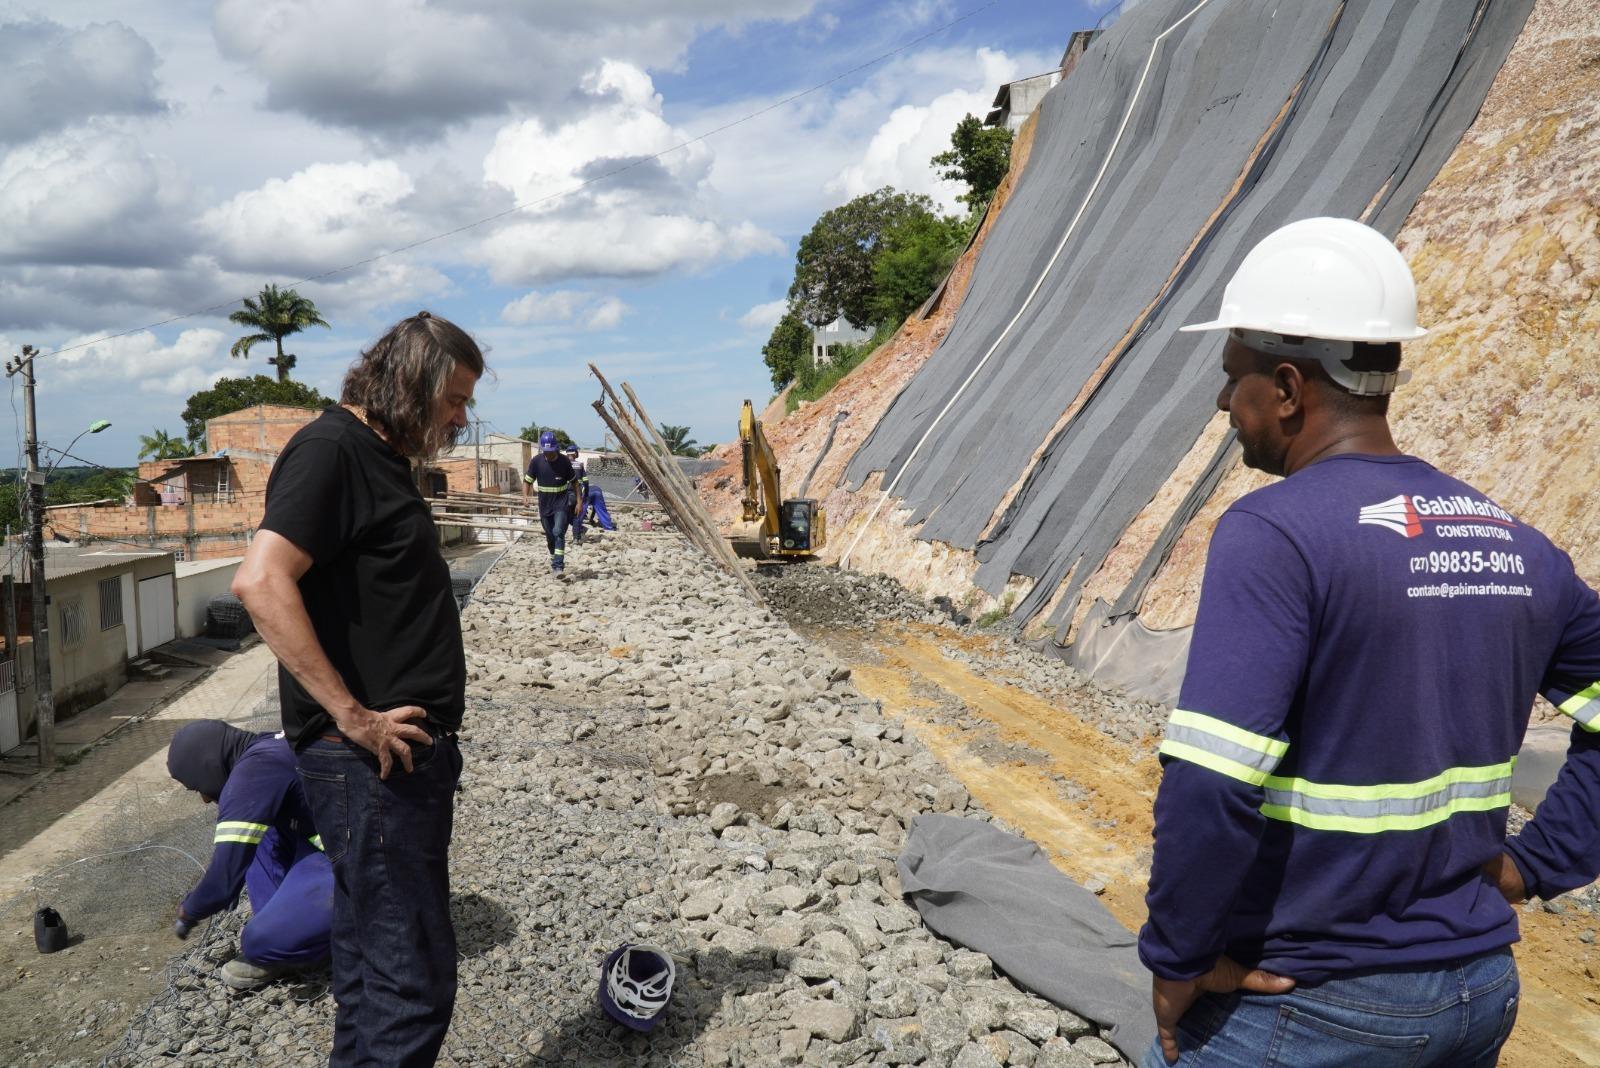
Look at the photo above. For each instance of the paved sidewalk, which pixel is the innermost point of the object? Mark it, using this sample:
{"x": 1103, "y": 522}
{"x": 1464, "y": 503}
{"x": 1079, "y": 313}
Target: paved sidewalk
{"x": 50, "y": 824}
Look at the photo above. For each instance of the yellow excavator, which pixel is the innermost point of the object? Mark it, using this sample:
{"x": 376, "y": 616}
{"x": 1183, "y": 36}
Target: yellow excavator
{"x": 773, "y": 527}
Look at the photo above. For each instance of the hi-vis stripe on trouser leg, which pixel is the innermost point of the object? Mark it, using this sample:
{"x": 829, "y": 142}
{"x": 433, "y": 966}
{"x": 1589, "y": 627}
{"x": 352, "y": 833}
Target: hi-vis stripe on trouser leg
{"x": 1584, "y": 707}
{"x": 1252, "y": 758}
{"x": 236, "y": 831}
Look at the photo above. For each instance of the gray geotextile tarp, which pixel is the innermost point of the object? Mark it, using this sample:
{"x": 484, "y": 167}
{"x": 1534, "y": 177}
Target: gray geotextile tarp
{"x": 1253, "y": 113}
{"x": 982, "y": 888}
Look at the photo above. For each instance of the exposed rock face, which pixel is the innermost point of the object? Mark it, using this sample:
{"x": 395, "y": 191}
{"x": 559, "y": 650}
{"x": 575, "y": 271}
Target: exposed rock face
{"x": 1504, "y": 247}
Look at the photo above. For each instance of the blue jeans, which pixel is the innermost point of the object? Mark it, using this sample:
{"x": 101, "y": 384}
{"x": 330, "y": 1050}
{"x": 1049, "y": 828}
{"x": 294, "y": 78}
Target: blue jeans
{"x": 555, "y": 522}
{"x": 394, "y": 949}
{"x": 1451, "y": 1016}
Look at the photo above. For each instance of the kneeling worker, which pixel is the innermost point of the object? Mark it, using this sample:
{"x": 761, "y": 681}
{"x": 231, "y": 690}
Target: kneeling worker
{"x": 265, "y": 841}
{"x": 551, "y": 474}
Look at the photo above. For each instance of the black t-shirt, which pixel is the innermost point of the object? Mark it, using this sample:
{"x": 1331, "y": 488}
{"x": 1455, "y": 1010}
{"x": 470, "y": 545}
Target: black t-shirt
{"x": 378, "y": 590}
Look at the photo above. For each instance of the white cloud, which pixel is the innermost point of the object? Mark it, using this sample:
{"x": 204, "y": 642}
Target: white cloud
{"x": 56, "y": 77}
{"x": 606, "y": 315}
{"x": 421, "y": 67}
{"x": 790, "y": 165}
{"x": 899, "y": 151}
{"x": 91, "y": 196}
{"x": 764, "y": 316}
{"x": 194, "y": 360}
{"x": 323, "y": 216}
{"x": 591, "y": 311}
{"x": 651, "y": 218}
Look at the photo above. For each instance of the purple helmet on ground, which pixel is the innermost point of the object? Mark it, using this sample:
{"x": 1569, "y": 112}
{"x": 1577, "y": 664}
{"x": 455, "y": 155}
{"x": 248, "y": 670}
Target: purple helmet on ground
{"x": 635, "y": 985}
{"x": 547, "y": 441}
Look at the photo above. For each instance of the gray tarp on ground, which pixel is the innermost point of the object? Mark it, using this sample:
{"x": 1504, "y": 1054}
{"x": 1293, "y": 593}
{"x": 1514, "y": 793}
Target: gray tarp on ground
{"x": 1380, "y": 93}
{"x": 996, "y": 893}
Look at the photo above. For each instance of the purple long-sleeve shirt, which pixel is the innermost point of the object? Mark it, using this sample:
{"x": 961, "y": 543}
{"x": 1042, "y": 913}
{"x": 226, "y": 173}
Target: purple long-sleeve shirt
{"x": 1371, "y": 637}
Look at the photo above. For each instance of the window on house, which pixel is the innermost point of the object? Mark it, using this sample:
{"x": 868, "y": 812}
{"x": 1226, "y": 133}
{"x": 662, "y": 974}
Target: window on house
{"x": 110, "y": 602}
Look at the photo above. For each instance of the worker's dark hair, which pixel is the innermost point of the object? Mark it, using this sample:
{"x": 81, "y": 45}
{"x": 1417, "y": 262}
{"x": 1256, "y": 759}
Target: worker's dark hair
{"x": 1368, "y": 356}
{"x": 401, "y": 379}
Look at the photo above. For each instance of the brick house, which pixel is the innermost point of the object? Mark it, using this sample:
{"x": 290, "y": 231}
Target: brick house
{"x": 199, "y": 507}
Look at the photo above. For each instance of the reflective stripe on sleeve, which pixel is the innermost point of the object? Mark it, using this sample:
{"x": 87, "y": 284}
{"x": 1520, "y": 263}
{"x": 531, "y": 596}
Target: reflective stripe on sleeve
{"x": 528, "y": 480}
{"x": 1584, "y": 707}
{"x": 236, "y": 831}
{"x": 1221, "y": 746}
{"x": 1388, "y": 806}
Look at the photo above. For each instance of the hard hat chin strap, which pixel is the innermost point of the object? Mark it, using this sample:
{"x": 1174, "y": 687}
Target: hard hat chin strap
{"x": 1333, "y": 355}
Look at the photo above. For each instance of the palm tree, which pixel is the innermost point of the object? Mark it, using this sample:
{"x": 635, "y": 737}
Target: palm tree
{"x": 678, "y": 440}
{"x": 159, "y": 445}
{"x": 274, "y": 314}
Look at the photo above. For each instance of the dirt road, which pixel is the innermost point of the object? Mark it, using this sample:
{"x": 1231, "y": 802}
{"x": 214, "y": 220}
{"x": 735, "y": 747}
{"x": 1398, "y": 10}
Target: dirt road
{"x": 1085, "y": 798}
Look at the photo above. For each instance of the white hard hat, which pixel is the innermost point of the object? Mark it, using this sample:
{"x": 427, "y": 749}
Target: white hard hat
{"x": 1314, "y": 287}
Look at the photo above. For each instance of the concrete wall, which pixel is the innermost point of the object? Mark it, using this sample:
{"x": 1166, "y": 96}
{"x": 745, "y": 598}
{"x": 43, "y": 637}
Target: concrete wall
{"x": 197, "y": 583}
{"x": 87, "y": 661}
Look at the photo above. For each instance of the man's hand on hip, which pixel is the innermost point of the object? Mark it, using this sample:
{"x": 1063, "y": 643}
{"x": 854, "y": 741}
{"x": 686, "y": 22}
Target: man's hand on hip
{"x": 1503, "y": 872}
{"x": 385, "y": 734}
{"x": 1174, "y": 997}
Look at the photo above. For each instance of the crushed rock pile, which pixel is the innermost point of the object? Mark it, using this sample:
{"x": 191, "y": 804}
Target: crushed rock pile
{"x": 652, "y": 757}
{"x": 815, "y": 594}
{"x": 1127, "y": 719}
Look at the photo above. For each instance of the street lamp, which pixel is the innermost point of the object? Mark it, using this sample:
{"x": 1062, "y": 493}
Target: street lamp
{"x": 93, "y": 428}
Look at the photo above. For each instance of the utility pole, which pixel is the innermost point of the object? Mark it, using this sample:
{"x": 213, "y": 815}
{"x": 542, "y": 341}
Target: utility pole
{"x": 43, "y": 698}
{"x": 477, "y": 452}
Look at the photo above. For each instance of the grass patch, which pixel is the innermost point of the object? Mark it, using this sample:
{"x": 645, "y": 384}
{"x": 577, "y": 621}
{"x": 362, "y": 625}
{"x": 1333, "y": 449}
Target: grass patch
{"x": 997, "y": 614}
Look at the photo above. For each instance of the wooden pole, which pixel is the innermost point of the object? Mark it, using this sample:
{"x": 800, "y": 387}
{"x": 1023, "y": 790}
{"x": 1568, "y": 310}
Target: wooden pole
{"x": 658, "y": 470}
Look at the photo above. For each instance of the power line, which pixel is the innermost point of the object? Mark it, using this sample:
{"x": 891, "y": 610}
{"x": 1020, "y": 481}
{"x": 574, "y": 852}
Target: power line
{"x": 638, "y": 162}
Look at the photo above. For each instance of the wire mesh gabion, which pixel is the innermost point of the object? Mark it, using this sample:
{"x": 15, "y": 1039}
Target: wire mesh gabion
{"x": 561, "y": 853}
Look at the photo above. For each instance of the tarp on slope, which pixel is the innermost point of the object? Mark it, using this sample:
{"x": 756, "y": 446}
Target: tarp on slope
{"x": 994, "y": 892}
{"x": 1253, "y": 113}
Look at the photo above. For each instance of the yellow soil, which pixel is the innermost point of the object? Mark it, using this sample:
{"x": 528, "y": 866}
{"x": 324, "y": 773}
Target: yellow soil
{"x": 1106, "y": 836}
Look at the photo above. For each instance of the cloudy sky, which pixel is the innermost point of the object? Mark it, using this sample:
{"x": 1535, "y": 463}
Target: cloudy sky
{"x": 160, "y": 159}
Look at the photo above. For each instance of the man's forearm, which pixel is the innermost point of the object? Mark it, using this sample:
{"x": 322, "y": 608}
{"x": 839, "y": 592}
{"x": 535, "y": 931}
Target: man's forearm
{"x": 279, "y": 613}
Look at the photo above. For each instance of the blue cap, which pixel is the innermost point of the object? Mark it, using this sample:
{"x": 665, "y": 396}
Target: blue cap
{"x": 547, "y": 441}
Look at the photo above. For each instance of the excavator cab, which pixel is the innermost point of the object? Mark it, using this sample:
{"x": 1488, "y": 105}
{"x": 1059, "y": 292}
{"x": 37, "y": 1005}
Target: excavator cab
{"x": 773, "y": 527}
{"x": 800, "y": 525}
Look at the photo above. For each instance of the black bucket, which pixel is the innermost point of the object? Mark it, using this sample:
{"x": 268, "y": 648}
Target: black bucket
{"x": 49, "y": 930}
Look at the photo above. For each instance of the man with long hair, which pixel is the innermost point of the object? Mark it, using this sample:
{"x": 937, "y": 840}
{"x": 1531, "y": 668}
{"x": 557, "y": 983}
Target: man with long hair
{"x": 346, "y": 583}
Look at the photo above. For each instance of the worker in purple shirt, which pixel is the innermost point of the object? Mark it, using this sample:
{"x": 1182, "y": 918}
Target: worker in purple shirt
{"x": 265, "y": 841}
{"x": 1332, "y": 882}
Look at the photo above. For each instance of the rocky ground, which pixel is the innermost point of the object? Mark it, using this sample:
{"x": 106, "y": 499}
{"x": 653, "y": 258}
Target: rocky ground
{"x": 650, "y": 756}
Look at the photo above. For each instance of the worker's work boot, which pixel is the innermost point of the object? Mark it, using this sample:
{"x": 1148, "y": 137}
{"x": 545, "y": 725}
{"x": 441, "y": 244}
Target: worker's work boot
{"x": 240, "y": 974}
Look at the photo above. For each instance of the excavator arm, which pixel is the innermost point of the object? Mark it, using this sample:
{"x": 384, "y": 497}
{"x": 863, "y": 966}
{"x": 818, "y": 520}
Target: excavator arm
{"x": 763, "y": 498}
{"x": 773, "y": 527}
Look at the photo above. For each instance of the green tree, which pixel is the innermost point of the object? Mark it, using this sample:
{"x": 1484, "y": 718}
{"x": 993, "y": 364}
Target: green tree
{"x": 532, "y": 431}
{"x": 979, "y": 156}
{"x": 234, "y": 394}
{"x": 788, "y": 349}
{"x": 916, "y": 254}
{"x": 274, "y": 315}
{"x": 679, "y": 443}
{"x": 834, "y": 267}
{"x": 159, "y": 445}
